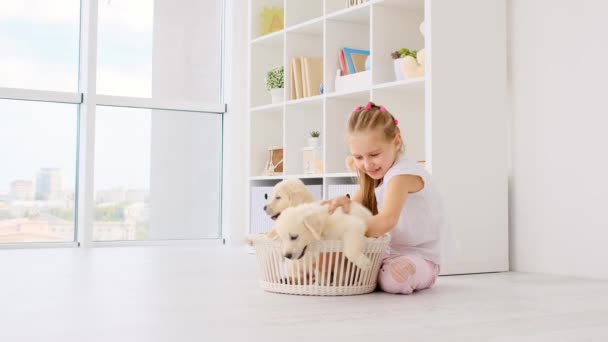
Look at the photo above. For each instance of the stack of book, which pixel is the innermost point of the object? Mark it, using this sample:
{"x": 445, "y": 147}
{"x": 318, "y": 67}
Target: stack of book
{"x": 306, "y": 77}
{"x": 350, "y": 3}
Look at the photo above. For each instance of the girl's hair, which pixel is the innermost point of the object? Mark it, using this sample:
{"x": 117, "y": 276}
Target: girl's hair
{"x": 372, "y": 118}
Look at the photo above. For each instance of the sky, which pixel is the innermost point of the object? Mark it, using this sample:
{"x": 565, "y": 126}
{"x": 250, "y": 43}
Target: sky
{"x": 40, "y": 51}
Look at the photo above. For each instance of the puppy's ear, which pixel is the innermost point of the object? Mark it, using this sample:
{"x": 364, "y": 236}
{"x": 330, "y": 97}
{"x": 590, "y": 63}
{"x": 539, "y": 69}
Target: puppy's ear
{"x": 299, "y": 193}
{"x": 299, "y": 196}
{"x": 314, "y": 222}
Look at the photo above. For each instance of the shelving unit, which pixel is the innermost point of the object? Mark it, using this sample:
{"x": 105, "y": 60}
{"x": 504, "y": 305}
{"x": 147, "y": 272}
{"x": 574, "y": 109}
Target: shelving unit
{"x": 453, "y": 118}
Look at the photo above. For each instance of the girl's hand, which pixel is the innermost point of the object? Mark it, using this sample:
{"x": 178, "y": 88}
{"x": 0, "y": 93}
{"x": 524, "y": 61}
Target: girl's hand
{"x": 337, "y": 202}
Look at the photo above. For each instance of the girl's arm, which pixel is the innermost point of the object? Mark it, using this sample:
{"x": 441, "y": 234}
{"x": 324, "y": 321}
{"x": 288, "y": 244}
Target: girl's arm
{"x": 394, "y": 199}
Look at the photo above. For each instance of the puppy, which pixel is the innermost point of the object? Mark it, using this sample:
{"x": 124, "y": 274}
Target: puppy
{"x": 285, "y": 194}
{"x": 298, "y": 227}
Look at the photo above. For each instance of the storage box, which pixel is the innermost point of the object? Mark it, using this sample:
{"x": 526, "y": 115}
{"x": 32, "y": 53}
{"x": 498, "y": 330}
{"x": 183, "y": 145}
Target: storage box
{"x": 312, "y": 160}
{"x": 336, "y": 190}
{"x": 259, "y": 220}
{"x": 353, "y": 82}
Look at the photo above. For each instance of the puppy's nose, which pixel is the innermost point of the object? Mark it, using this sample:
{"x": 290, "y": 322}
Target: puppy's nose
{"x": 288, "y": 255}
{"x": 265, "y": 207}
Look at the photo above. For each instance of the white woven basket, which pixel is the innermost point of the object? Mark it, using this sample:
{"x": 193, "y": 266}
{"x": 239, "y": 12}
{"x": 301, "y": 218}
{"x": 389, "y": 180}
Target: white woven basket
{"x": 326, "y": 273}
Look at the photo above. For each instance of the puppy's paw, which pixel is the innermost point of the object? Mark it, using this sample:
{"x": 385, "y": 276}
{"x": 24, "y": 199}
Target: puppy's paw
{"x": 248, "y": 240}
{"x": 363, "y": 262}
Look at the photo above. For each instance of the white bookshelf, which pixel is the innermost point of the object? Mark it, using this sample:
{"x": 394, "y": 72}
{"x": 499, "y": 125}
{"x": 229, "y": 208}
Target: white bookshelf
{"x": 453, "y": 118}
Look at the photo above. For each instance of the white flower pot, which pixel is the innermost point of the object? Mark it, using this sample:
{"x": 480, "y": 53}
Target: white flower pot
{"x": 277, "y": 95}
{"x": 399, "y": 75}
{"x": 313, "y": 142}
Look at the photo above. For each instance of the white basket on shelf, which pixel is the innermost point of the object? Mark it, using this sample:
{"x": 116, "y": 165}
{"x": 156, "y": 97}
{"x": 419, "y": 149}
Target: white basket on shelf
{"x": 325, "y": 273}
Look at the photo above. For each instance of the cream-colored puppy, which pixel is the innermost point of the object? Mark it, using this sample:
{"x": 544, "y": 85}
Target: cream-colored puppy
{"x": 285, "y": 194}
{"x": 298, "y": 227}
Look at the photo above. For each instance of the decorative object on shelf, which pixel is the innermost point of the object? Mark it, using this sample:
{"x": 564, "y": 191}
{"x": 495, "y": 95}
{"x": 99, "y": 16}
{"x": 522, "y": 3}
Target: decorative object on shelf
{"x": 404, "y": 57}
{"x": 275, "y": 83}
{"x": 409, "y": 63}
{"x": 274, "y": 165}
{"x": 351, "y": 3}
{"x": 353, "y": 60}
{"x": 413, "y": 67}
{"x": 271, "y": 19}
{"x": 313, "y": 140}
{"x": 312, "y": 160}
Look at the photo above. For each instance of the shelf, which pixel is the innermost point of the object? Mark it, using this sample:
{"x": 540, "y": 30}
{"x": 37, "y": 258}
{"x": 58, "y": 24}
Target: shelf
{"x": 311, "y": 27}
{"x": 356, "y": 14}
{"x": 357, "y": 94}
{"x": 310, "y": 100}
{"x": 261, "y": 178}
{"x": 274, "y": 39}
{"x": 300, "y": 176}
{"x": 340, "y": 175}
{"x": 306, "y": 176}
{"x": 409, "y": 5}
{"x": 415, "y": 83}
{"x": 268, "y": 108}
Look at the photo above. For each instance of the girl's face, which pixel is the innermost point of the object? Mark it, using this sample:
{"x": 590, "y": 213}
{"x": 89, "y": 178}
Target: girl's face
{"x": 373, "y": 154}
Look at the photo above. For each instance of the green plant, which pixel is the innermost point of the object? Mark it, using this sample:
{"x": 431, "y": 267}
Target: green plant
{"x": 315, "y": 134}
{"x": 275, "y": 78}
{"x": 403, "y": 52}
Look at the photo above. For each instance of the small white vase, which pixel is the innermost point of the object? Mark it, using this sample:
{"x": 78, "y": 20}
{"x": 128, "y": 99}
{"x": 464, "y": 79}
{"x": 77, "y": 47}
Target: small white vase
{"x": 313, "y": 142}
{"x": 277, "y": 95}
{"x": 399, "y": 76}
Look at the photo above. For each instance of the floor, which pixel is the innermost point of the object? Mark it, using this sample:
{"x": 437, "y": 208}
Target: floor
{"x": 208, "y": 294}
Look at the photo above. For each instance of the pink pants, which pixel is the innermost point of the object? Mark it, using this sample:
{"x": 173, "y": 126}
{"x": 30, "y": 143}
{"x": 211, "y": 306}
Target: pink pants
{"x": 406, "y": 273}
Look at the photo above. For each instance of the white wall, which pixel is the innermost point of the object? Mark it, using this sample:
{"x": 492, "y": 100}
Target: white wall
{"x": 559, "y": 184}
{"x": 234, "y": 220}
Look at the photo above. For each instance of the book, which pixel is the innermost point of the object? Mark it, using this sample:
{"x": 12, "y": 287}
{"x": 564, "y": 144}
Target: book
{"x": 342, "y": 62}
{"x": 312, "y": 68}
{"x": 355, "y": 59}
{"x": 296, "y": 66}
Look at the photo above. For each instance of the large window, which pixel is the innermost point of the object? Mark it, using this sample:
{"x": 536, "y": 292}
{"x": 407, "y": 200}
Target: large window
{"x": 37, "y": 176}
{"x": 39, "y": 41}
{"x": 154, "y": 172}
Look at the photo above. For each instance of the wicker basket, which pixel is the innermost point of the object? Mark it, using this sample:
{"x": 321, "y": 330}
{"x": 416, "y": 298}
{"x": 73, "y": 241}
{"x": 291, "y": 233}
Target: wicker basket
{"x": 325, "y": 272}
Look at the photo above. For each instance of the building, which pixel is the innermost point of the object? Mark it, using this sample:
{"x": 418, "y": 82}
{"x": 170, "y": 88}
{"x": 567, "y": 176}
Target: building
{"x": 49, "y": 184}
{"x": 22, "y": 190}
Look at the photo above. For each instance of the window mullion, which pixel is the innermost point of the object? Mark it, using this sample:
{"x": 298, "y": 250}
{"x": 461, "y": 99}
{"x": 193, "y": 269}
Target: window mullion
{"x": 87, "y": 79}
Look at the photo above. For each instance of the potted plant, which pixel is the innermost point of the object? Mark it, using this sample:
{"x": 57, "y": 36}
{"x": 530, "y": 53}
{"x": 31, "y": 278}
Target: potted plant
{"x": 275, "y": 83}
{"x": 313, "y": 140}
{"x": 399, "y": 59}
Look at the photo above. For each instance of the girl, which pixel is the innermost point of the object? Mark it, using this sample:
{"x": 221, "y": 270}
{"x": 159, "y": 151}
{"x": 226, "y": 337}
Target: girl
{"x": 403, "y": 198}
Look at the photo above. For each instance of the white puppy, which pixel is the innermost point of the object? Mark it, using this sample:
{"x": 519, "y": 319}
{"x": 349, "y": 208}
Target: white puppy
{"x": 298, "y": 227}
{"x": 285, "y": 194}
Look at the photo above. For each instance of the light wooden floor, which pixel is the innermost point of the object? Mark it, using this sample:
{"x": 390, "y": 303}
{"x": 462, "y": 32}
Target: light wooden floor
{"x": 211, "y": 294}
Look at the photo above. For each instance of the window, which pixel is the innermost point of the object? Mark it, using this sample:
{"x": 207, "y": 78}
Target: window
{"x": 157, "y": 174}
{"x": 37, "y": 177}
{"x": 163, "y": 49}
{"x": 157, "y": 113}
{"x": 39, "y": 42}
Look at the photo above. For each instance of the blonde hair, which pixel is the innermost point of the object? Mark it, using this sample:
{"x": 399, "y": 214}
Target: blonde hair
{"x": 372, "y": 118}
